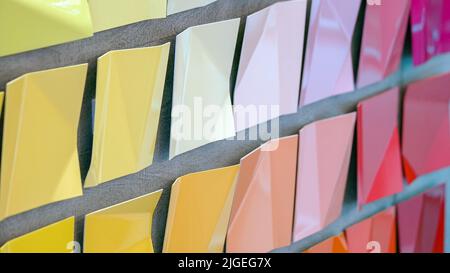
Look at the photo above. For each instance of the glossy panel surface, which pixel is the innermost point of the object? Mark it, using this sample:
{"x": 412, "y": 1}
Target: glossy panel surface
{"x": 107, "y": 14}
{"x": 199, "y": 210}
{"x": 122, "y": 228}
{"x": 335, "y": 244}
{"x": 421, "y": 222}
{"x": 27, "y": 25}
{"x": 201, "y": 104}
{"x": 379, "y": 159}
{"x": 261, "y": 217}
{"x": 270, "y": 64}
{"x": 328, "y": 68}
{"x": 430, "y": 20}
{"x": 130, "y": 85}
{"x": 324, "y": 158}
{"x": 175, "y": 6}
{"x": 40, "y": 162}
{"x": 55, "y": 238}
{"x": 426, "y": 126}
{"x": 377, "y": 234}
{"x": 383, "y": 39}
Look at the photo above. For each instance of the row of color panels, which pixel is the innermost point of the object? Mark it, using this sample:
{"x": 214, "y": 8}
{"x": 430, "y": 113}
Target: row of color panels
{"x": 270, "y": 68}
{"x": 271, "y": 64}
{"x": 125, "y": 227}
{"x": 266, "y": 181}
{"x": 118, "y": 152}
{"x": 27, "y": 25}
{"x": 416, "y": 226}
{"x": 48, "y": 22}
{"x": 121, "y": 228}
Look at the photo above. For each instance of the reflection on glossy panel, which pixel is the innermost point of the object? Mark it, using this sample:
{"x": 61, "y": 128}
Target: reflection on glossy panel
{"x": 328, "y": 68}
{"x": 201, "y": 104}
{"x": 107, "y": 14}
{"x": 430, "y": 21}
{"x": 383, "y": 39}
{"x": 377, "y": 234}
{"x": 270, "y": 64}
{"x": 122, "y": 228}
{"x": 379, "y": 158}
{"x": 40, "y": 162}
{"x": 175, "y": 6}
{"x": 263, "y": 206}
{"x": 324, "y": 158}
{"x": 426, "y": 126}
{"x": 27, "y": 25}
{"x": 55, "y": 238}
{"x": 130, "y": 85}
{"x": 199, "y": 210}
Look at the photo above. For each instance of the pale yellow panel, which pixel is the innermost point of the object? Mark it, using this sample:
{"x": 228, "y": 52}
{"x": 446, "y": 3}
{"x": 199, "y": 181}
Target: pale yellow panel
{"x": 55, "y": 238}
{"x": 199, "y": 210}
{"x": 107, "y": 14}
{"x": 27, "y": 25}
{"x": 201, "y": 104}
{"x": 130, "y": 85}
{"x": 40, "y": 159}
{"x": 122, "y": 228}
{"x": 175, "y": 6}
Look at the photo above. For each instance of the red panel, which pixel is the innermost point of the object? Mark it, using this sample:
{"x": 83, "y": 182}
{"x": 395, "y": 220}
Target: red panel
{"x": 379, "y": 160}
{"x": 421, "y": 222}
{"x": 426, "y": 126}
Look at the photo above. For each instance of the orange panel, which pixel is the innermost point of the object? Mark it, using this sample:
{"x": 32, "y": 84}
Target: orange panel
{"x": 263, "y": 207}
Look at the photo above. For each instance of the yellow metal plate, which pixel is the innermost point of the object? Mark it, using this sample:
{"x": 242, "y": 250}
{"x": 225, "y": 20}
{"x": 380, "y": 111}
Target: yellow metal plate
{"x": 27, "y": 25}
{"x": 130, "y": 85}
{"x": 122, "y": 228}
{"x": 40, "y": 159}
{"x": 199, "y": 210}
{"x": 55, "y": 238}
{"x": 107, "y": 14}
